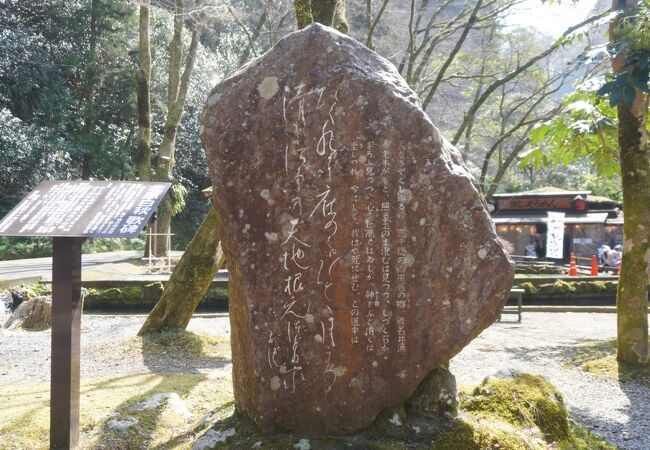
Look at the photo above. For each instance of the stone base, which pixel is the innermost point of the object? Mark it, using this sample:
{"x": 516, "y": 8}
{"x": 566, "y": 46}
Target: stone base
{"x": 429, "y": 411}
{"x": 507, "y": 411}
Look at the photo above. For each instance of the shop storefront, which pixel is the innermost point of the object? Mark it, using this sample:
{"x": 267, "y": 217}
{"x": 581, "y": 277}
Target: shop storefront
{"x": 589, "y": 221}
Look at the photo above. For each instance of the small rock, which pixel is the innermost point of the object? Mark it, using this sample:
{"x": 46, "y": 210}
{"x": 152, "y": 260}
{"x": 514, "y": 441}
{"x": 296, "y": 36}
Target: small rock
{"x": 303, "y": 444}
{"x": 212, "y": 438}
{"x": 121, "y": 425}
{"x": 503, "y": 374}
{"x": 175, "y": 403}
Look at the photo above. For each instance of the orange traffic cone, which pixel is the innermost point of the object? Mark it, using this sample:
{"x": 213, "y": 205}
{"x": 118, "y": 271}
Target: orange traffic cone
{"x": 573, "y": 271}
{"x": 594, "y": 266}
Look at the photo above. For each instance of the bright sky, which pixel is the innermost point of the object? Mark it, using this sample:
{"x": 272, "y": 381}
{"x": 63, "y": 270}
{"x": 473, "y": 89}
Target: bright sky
{"x": 551, "y": 19}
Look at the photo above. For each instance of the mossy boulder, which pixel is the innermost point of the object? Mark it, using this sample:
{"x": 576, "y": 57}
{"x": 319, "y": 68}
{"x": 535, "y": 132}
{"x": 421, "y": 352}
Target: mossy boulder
{"x": 115, "y": 297}
{"x": 525, "y": 400}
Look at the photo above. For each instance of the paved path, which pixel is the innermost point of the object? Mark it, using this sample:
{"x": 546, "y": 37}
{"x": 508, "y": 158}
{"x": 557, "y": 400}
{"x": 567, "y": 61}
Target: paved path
{"x": 115, "y": 263}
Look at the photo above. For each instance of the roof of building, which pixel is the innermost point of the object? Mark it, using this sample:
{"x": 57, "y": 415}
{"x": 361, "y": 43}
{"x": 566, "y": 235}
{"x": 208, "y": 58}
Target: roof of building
{"x": 548, "y": 191}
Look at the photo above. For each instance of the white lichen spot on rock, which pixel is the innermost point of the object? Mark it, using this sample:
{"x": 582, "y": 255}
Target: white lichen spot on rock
{"x": 395, "y": 420}
{"x": 402, "y": 374}
{"x": 404, "y": 195}
{"x": 303, "y": 444}
{"x": 423, "y": 221}
{"x": 275, "y": 383}
{"x": 214, "y": 99}
{"x": 271, "y": 236}
{"x": 408, "y": 260}
{"x": 268, "y": 87}
{"x": 482, "y": 253}
{"x": 265, "y": 194}
{"x": 318, "y": 338}
{"x": 246, "y": 228}
{"x": 283, "y": 369}
{"x": 309, "y": 318}
{"x": 375, "y": 364}
{"x": 212, "y": 438}
{"x": 339, "y": 371}
{"x": 416, "y": 429}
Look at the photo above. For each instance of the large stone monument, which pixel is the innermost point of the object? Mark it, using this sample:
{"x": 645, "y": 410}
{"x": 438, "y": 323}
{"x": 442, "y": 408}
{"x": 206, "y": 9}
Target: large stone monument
{"x": 360, "y": 252}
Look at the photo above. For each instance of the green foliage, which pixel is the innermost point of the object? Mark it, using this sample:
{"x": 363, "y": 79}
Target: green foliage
{"x": 586, "y": 130}
{"x": 177, "y": 193}
{"x": 20, "y": 248}
{"x": 634, "y": 43}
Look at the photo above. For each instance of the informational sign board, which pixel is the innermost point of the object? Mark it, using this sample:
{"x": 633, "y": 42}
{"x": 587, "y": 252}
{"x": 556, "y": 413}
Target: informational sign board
{"x": 69, "y": 212}
{"x": 555, "y": 235}
{"x": 85, "y": 209}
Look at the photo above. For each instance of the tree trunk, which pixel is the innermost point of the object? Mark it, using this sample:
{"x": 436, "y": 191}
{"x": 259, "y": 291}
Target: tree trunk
{"x": 177, "y": 93}
{"x": 143, "y": 89}
{"x": 632, "y": 295}
{"x": 190, "y": 280}
{"x": 89, "y": 94}
{"x": 327, "y": 12}
{"x": 303, "y": 13}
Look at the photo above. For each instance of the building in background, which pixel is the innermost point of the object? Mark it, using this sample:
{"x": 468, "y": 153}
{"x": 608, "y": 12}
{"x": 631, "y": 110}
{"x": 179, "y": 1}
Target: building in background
{"x": 590, "y": 221}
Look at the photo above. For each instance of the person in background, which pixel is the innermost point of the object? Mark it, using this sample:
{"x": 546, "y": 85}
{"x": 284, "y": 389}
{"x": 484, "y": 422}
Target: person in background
{"x": 617, "y": 256}
{"x": 603, "y": 251}
{"x": 530, "y": 251}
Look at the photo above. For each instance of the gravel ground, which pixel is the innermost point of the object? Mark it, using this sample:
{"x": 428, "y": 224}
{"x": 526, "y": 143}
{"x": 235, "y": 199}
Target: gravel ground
{"x": 618, "y": 412}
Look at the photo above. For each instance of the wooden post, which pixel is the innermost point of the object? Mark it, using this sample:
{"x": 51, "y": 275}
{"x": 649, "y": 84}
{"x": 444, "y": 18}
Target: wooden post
{"x": 66, "y": 321}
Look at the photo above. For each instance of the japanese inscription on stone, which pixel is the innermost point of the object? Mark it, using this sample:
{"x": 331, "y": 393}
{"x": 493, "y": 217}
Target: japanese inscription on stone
{"x": 85, "y": 209}
{"x": 359, "y": 250}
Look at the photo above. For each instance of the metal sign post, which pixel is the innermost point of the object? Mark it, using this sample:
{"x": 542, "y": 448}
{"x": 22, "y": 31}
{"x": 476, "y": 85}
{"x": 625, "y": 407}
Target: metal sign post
{"x": 66, "y": 323}
{"x": 70, "y": 212}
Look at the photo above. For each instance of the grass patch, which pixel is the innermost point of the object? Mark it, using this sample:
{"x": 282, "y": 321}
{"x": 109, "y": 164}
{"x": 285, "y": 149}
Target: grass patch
{"x": 24, "y": 417}
{"x": 599, "y": 358}
{"x": 185, "y": 343}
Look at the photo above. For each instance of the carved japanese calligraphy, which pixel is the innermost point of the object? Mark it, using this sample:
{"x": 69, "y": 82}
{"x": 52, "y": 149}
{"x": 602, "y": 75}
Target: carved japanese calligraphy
{"x": 360, "y": 251}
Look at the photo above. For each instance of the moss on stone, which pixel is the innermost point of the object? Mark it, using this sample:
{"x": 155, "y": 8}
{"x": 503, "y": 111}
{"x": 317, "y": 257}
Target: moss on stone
{"x": 476, "y": 432}
{"x": 522, "y": 413}
{"x": 526, "y": 400}
{"x": 529, "y": 288}
{"x": 153, "y": 291}
{"x": 132, "y": 295}
{"x": 564, "y": 287}
{"x": 96, "y": 298}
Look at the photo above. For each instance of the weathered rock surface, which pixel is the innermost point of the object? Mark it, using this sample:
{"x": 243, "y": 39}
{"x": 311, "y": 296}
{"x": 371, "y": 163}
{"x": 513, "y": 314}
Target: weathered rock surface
{"x": 360, "y": 252}
{"x": 33, "y": 314}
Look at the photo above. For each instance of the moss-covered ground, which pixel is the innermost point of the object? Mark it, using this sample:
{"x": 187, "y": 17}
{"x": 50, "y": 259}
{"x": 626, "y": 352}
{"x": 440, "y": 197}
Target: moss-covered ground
{"x": 523, "y": 412}
{"x": 599, "y": 358}
{"x": 24, "y": 415}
